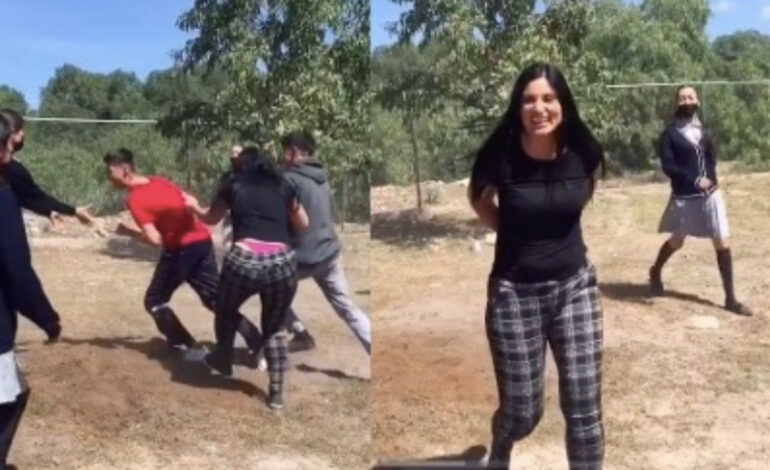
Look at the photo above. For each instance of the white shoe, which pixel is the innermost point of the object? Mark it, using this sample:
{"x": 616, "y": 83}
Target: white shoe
{"x": 195, "y": 354}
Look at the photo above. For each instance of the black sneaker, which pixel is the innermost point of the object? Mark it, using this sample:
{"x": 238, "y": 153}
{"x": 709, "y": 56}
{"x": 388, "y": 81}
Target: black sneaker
{"x": 656, "y": 283}
{"x": 275, "y": 400}
{"x": 301, "y": 341}
{"x": 217, "y": 365}
{"x": 738, "y": 308}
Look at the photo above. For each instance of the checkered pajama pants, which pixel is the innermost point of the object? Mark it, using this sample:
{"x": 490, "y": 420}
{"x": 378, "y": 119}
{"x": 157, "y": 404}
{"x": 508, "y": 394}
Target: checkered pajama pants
{"x": 520, "y": 319}
{"x": 274, "y": 278}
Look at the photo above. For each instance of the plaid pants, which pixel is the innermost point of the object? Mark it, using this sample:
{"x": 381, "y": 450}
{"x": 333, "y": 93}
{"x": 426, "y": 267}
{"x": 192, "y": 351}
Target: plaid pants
{"x": 274, "y": 278}
{"x": 196, "y": 265}
{"x": 520, "y": 319}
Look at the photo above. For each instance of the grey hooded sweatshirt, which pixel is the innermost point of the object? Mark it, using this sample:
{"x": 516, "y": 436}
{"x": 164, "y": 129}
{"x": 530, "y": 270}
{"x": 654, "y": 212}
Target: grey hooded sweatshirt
{"x": 319, "y": 242}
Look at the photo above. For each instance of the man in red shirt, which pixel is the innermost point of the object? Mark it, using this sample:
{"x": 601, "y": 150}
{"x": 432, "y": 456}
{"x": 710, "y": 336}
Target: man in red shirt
{"x": 158, "y": 207}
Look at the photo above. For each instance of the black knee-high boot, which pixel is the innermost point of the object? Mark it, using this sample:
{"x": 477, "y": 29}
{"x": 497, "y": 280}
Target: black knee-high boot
{"x": 656, "y": 283}
{"x": 725, "y": 263}
{"x": 10, "y": 417}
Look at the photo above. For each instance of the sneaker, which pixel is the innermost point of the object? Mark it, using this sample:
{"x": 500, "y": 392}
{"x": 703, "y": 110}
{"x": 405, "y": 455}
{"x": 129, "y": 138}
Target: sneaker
{"x": 656, "y": 283}
{"x": 257, "y": 360}
{"x": 301, "y": 341}
{"x": 215, "y": 363}
{"x": 195, "y": 354}
{"x": 275, "y": 400}
{"x": 738, "y": 308}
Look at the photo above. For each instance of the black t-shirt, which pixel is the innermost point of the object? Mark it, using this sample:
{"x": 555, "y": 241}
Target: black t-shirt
{"x": 258, "y": 211}
{"x": 540, "y": 203}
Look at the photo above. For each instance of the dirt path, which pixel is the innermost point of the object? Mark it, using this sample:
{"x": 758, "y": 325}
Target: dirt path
{"x": 676, "y": 397}
{"x": 110, "y": 396}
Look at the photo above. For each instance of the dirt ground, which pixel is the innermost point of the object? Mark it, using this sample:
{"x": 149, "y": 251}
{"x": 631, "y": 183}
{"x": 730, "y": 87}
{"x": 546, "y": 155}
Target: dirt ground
{"x": 110, "y": 395}
{"x": 675, "y": 396}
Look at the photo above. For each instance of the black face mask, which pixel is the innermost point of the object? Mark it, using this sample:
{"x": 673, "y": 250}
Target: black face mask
{"x": 18, "y": 145}
{"x": 686, "y": 110}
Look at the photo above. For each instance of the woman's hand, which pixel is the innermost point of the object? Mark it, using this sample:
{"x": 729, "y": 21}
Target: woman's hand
{"x": 84, "y": 216}
{"x": 704, "y": 183}
{"x": 486, "y": 207}
{"x": 191, "y": 202}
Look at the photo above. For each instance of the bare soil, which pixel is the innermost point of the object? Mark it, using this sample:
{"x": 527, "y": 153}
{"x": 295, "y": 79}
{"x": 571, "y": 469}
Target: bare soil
{"x": 110, "y": 395}
{"x": 675, "y": 396}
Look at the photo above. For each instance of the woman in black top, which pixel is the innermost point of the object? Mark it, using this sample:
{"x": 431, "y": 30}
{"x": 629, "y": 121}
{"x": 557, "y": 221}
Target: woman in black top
{"x": 696, "y": 207}
{"x": 540, "y": 164}
{"x": 263, "y": 209}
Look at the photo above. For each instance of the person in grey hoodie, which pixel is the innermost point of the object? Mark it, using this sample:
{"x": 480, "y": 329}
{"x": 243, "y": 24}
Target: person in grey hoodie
{"x": 318, "y": 248}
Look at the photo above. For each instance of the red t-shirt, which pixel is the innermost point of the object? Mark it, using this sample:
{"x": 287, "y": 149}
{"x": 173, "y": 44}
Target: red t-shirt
{"x": 160, "y": 203}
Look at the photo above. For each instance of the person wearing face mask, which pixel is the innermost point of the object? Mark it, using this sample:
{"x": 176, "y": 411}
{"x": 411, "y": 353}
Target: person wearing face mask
{"x": 26, "y": 294}
{"x": 29, "y": 194}
{"x": 696, "y": 207}
{"x": 14, "y": 255}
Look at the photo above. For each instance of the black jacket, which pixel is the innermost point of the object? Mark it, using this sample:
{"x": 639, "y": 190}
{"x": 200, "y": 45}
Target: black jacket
{"x": 29, "y": 194}
{"x": 684, "y": 163}
{"x": 19, "y": 285}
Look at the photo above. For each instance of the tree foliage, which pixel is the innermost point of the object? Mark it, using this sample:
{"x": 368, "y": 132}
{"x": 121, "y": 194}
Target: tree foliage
{"x": 252, "y": 71}
{"x": 484, "y": 44}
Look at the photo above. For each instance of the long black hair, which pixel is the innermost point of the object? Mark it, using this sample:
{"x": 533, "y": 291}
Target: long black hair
{"x": 255, "y": 168}
{"x": 505, "y": 141}
{"x": 6, "y": 129}
{"x": 13, "y": 117}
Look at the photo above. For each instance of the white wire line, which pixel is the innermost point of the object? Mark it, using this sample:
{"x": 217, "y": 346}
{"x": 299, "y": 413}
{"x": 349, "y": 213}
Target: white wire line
{"x": 89, "y": 121}
{"x": 705, "y": 82}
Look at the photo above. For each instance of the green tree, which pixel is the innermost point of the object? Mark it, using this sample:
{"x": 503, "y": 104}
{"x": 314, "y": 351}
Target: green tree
{"x": 290, "y": 64}
{"x": 12, "y": 98}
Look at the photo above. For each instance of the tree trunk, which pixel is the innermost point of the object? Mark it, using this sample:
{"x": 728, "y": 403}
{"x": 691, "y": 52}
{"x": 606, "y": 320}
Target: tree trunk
{"x": 416, "y": 163}
{"x": 344, "y": 196}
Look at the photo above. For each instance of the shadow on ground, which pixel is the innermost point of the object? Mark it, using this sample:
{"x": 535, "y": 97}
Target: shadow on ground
{"x": 194, "y": 374}
{"x": 640, "y": 294}
{"x": 407, "y": 228}
{"x": 470, "y": 458}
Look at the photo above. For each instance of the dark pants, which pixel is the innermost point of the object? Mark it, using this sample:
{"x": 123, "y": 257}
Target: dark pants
{"x": 274, "y": 278}
{"x": 521, "y": 320}
{"x": 21, "y": 285}
{"x": 196, "y": 265}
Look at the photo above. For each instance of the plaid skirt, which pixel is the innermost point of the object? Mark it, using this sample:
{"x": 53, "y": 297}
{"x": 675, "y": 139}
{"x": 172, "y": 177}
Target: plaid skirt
{"x": 700, "y": 217}
{"x": 12, "y": 383}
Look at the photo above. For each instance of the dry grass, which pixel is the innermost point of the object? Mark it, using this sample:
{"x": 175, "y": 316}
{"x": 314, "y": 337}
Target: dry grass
{"x": 674, "y": 397}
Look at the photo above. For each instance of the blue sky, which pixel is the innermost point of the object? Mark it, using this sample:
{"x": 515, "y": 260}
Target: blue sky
{"x": 139, "y": 35}
{"x": 96, "y": 35}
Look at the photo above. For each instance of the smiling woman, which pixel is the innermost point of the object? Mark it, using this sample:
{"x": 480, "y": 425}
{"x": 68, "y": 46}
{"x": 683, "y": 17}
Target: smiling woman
{"x": 540, "y": 164}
